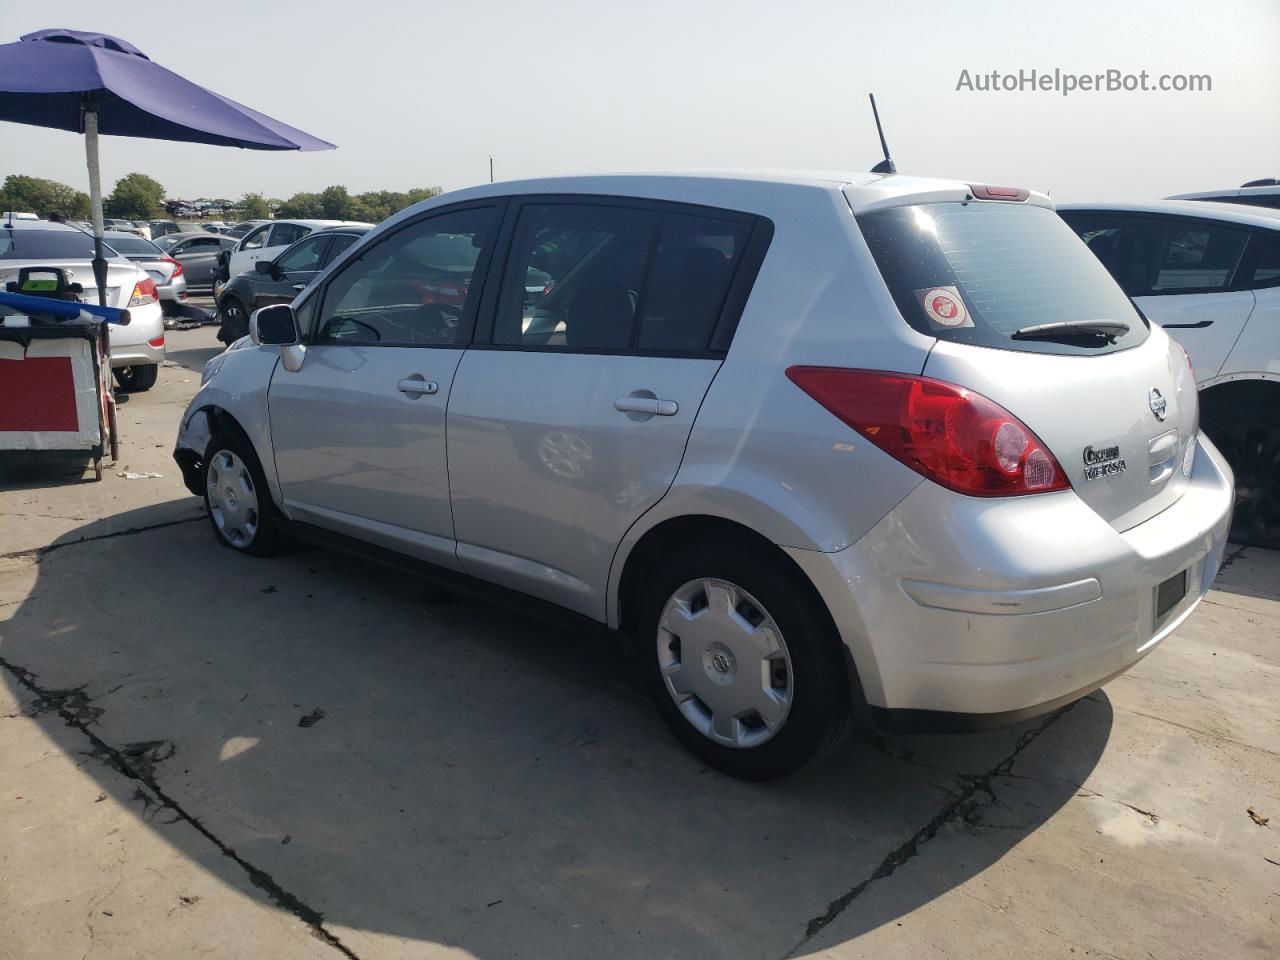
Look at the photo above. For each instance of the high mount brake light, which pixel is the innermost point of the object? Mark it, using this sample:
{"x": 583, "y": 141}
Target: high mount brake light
{"x": 955, "y": 437}
{"x": 982, "y": 191}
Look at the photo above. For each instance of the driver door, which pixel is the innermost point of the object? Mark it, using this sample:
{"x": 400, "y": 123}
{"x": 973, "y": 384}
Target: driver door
{"x": 358, "y": 430}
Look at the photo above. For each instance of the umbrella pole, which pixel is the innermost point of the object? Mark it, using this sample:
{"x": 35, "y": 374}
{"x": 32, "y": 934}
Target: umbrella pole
{"x": 95, "y": 202}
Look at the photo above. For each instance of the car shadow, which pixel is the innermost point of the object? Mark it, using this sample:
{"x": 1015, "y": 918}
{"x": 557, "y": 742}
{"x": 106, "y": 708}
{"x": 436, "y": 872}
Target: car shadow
{"x": 405, "y": 762}
{"x": 42, "y": 470}
{"x": 190, "y": 358}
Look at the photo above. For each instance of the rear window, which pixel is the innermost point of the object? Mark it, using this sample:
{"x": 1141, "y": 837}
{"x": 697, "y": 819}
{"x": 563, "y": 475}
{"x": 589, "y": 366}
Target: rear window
{"x": 978, "y": 272}
{"x": 46, "y": 245}
{"x": 135, "y": 247}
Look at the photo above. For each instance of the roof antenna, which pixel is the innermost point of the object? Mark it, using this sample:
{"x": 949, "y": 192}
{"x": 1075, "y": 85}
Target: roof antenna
{"x": 885, "y": 165}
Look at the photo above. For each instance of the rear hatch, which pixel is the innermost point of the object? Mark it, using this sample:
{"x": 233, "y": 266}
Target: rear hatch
{"x": 994, "y": 282}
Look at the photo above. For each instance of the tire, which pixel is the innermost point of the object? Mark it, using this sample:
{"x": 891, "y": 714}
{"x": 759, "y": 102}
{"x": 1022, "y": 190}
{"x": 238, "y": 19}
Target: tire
{"x": 137, "y": 379}
{"x": 237, "y": 498}
{"x": 807, "y": 691}
{"x": 234, "y": 319}
{"x": 1249, "y": 438}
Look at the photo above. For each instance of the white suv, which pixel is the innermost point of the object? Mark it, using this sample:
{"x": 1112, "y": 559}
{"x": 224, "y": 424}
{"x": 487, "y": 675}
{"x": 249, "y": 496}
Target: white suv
{"x": 825, "y": 448}
{"x": 264, "y": 242}
{"x": 1209, "y": 273}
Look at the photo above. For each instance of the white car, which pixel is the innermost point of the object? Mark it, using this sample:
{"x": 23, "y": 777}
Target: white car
{"x": 822, "y": 446}
{"x": 137, "y": 350}
{"x": 266, "y": 241}
{"x": 1257, "y": 193}
{"x": 1209, "y": 273}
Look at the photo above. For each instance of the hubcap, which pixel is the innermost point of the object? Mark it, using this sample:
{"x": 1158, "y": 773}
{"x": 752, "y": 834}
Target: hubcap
{"x": 724, "y": 663}
{"x": 233, "y": 501}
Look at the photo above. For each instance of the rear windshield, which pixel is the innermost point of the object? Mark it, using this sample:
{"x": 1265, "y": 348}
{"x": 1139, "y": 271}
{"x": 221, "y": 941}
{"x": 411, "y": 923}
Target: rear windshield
{"x": 135, "y": 247}
{"x": 978, "y": 272}
{"x": 47, "y": 245}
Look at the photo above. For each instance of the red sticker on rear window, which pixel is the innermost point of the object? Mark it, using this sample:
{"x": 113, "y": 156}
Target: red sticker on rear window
{"x": 944, "y": 307}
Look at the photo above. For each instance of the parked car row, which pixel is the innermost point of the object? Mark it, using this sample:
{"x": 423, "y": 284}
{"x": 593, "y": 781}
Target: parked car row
{"x": 883, "y": 450}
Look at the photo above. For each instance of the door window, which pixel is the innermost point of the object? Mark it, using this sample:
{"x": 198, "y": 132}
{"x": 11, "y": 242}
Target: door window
{"x": 692, "y": 269}
{"x": 255, "y": 239}
{"x": 1197, "y": 256}
{"x": 574, "y": 277}
{"x": 414, "y": 288}
{"x": 303, "y": 256}
{"x": 340, "y": 243}
{"x": 283, "y": 234}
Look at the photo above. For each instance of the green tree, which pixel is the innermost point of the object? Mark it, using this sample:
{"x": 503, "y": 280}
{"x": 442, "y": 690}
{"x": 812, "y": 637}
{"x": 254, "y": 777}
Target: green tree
{"x": 253, "y": 206}
{"x": 136, "y": 197}
{"x": 301, "y": 206}
{"x": 336, "y": 203}
{"x": 42, "y": 197}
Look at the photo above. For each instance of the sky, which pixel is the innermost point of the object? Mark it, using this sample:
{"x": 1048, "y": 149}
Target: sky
{"x": 422, "y": 93}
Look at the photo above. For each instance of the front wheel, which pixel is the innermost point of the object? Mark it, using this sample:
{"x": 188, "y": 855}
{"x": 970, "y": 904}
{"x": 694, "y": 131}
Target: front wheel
{"x": 137, "y": 379}
{"x": 745, "y": 667}
{"x": 235, "y": 320}
{"x": 237, "y": 498}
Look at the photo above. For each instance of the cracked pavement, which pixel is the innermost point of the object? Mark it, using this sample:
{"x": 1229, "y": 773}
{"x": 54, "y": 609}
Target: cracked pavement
{"x": 475, "y": 784}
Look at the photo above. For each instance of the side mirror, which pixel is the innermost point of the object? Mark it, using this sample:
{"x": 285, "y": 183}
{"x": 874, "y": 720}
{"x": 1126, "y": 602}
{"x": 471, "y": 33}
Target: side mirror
{"x": 266, "y": 266}
{"x": 274, "y": 325}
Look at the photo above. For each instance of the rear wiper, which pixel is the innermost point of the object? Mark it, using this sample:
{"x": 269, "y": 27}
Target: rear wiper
{"x": 1108, "y": 329}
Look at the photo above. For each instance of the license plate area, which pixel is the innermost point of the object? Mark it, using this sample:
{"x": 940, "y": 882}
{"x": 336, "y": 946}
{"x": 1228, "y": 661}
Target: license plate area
{"x": 1169, "y": 594}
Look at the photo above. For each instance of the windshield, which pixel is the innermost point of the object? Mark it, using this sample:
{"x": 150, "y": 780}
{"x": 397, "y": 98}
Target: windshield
{"x": 979, "y": 272}
{"x": 135, "y": 247}
{"x": 47, "y": 245}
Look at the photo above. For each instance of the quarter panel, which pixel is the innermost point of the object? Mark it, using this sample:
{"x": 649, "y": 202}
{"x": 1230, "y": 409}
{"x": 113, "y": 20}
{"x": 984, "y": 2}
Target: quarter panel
{"x": 1257, "y": 350}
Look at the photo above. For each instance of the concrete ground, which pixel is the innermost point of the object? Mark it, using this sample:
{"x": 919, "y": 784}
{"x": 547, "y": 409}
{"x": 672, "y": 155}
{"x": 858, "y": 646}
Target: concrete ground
{"x": 206, "y": 754}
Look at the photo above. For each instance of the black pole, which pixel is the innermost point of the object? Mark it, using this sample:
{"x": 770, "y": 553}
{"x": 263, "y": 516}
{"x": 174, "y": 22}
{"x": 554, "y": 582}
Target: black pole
{"x": 491, "y": 169}
{"x": 100, "y": 271}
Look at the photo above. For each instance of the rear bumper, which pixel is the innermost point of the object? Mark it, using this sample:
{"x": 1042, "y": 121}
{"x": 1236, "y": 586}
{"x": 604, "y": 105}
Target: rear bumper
{"x": 142, "y": 341}
{"x": 962, "y": 613}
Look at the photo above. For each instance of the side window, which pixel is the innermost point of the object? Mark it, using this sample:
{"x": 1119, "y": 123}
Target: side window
{"x": 304, "y": 256}
{"x": 1126, "y": 246}
{"x": 205, "y": 244}
{"x": 255, "y": 239}
{"x": 574, "y": 276}
{"x": 340, "y": 243}
{"x": 414, "y": 288}
{"x": 283, "y": 234}
{"x": 688, "y": 283}
{"x": 1263, "y": 261}
{"x": 1197, "y": 255}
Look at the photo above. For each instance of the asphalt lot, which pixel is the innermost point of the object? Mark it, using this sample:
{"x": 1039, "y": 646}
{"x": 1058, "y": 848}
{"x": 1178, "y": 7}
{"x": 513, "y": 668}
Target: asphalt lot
{"x": 204, "y": 754}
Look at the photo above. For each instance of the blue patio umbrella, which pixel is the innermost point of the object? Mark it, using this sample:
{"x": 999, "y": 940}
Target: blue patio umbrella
{"x": 95, "y": 84}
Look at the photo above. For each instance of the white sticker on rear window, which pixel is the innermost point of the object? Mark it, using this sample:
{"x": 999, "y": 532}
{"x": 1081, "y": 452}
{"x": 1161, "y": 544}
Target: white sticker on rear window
{"x": 944, "y": 308}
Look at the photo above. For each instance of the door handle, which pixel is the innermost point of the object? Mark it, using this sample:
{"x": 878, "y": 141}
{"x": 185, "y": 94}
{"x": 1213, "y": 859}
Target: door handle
{"x": 416, "y": 386}
{"x": 651, "y": 406}
{"x": 298, "y": 286}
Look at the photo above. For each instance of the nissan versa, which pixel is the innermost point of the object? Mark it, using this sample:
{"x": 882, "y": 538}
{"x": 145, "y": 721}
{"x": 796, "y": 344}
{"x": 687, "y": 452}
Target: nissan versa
{"x": 824, "y": 448}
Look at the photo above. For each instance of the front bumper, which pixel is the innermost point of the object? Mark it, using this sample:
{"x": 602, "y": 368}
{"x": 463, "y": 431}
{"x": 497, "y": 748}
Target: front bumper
{"x": 961, "y": 612}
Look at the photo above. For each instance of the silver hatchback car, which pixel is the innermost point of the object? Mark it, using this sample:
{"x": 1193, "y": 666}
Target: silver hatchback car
{"x": 827, "y": 449}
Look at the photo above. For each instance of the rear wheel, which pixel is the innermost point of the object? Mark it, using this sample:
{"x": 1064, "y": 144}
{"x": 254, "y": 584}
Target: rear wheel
{"x": 237, "y": 498}
{"x": 1249, "y": 439}
{"x": 136, "y": 379}
{"x": 744, "y": 669}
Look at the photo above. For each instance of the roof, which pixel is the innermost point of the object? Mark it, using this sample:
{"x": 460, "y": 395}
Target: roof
{"x": 318, "y": 224}
{"x": 1264, "y": 190}
{"x": 755, "y": 190}
{"x": 1266, "y": 217}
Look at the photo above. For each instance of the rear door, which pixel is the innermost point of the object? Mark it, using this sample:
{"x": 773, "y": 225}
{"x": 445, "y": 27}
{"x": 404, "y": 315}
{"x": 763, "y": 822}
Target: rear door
{"x": 570, "y": 415}
{"x": 1258, "y": 348}
{"x": 1119, "y": 415}
{"x": 358, "y": 430}
{"x": 1180, "y": 272}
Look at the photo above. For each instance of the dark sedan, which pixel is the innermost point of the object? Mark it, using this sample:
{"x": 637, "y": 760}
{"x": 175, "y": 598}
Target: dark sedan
{"x": 281, "y": 279}
{"x": 198, "y": 254}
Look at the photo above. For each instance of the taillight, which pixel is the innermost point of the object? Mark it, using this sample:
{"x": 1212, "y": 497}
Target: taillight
{"x": 157, "y": 341}
{"x": 144, "y": 292}
{"x": 953, "y": 436}
{"x": 177, "y": 267}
